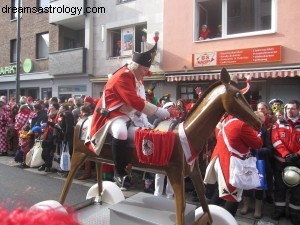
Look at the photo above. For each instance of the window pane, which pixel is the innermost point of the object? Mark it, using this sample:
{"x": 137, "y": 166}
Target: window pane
{"x": 43, "y": 45}
{"x": 13, "y": 51}
{"x": 116, "y": 43}
{"x": 248, "y": 16}
{"x": 210, "y": 14}
{"x": 242, "y": 16}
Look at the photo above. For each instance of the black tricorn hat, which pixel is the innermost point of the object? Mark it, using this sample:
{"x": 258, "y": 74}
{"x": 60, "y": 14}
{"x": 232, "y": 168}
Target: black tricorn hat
{"x": 146, "y": 58}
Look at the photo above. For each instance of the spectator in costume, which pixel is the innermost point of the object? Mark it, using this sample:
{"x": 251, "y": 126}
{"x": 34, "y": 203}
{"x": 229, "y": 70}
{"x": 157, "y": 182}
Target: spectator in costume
{"x": 112, "y": 111}
{"x": 276, "y": 104}
{"x": 265, "y": 153}
{"x": 4, "y": 117}
{"x": 241, "y": 137}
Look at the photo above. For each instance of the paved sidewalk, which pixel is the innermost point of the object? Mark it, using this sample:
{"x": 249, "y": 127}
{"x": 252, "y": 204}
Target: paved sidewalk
{"x": 138, "y": 187}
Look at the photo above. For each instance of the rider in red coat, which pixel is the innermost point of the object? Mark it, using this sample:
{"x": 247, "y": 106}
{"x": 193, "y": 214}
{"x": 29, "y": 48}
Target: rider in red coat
{"x": 120, "y": 98}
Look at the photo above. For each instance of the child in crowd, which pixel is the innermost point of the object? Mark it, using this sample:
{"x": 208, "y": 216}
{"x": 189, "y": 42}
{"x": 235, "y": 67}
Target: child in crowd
{"x": 25, "y": 142}
{"x": 48, "y": 147}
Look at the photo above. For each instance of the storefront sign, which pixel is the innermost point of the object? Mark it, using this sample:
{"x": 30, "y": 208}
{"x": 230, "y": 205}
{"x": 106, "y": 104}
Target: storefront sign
{"x": 27, "y": 65}
{"x": 238, "y": 56}
{"x": 8, "y": 70}
{"x": 205, "y": 59}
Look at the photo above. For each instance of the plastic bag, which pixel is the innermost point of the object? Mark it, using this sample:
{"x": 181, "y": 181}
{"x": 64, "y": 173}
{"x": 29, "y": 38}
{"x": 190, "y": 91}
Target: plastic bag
{"x": 65, "y": 161}
{"x": 243, "y": 173}
{"x": 261, "y": 167}
{"x": 34, "y": 156}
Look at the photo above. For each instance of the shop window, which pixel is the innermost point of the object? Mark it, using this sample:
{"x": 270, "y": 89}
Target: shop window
{"x": 42, "y": 41}
{"x": 46, "y": 93}
{"x": 13, "y": 51}
{"x": 42, "y": 3}
{"x": 234, "y": 18}
{"x": 126, "y": 40}
{"x": 188, "y": 92}
{"x": 14, "y": 15}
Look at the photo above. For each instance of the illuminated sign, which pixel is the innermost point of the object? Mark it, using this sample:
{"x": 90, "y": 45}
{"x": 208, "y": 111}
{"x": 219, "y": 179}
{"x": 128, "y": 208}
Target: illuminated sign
{"x": 8, "y": 70}
{"x": 27, "y": 65}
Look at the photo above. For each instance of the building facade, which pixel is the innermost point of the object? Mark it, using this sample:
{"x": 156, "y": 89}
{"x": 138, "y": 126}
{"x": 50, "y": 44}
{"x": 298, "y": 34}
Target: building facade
{"x": 36, "y": 40}
{"x": 69, "y": 54}
{"x": 125, "y": 27}
{"x": 53, "y": 52}
{"x": 253, "y": 37}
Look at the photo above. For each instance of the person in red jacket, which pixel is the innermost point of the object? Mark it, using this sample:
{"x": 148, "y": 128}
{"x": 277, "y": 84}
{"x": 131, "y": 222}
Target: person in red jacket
{"x": 286, "y": 141}
{"x": 120, "y": 97}
{"x": 241, "y": 137}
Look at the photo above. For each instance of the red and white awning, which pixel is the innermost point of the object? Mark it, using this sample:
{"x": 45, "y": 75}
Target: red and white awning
{"x": 240, "y": 75}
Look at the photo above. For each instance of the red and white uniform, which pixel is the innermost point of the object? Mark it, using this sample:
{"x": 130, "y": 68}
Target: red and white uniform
{"x": 241, "y": 137}
{"x": 22, "y": 118}
{"x": 286, "y": 138}
{"x": 4, "y": 116}
{"x": 120, "y": 99}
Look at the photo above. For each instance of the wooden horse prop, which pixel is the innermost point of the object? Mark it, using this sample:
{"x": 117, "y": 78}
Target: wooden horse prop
{"x": 223, "y": 96}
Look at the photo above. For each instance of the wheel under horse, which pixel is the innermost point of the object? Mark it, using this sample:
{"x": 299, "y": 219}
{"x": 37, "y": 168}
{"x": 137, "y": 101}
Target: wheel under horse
{"x": 222, "y": 96}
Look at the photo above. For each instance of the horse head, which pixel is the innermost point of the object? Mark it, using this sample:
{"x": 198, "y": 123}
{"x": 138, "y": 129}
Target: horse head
{"x": 236, "y": 104}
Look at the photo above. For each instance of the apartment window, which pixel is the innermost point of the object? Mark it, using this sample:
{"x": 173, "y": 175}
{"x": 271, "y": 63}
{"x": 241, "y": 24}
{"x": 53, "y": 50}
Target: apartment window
{"x": 234, "y": 18}
{"x": 126, "y": 40}
{"x": 14, "y": 3}
{"x": 13, "y": 51}
{"x": 69, "y": 43}
{"x": 43, "y": 3}
{"x": 42, "y": 45}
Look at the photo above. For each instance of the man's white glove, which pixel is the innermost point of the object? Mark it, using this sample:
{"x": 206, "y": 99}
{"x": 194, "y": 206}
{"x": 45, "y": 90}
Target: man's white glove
{"x": 146, "y": 122}
{"x": 162, "y": 113}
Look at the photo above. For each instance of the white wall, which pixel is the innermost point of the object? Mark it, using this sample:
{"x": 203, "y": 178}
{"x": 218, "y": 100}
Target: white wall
{"x": 120, "y": 15}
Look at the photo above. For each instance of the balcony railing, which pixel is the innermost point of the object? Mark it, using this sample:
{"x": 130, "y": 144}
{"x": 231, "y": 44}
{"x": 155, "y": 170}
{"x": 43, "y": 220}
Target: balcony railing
{"x": 67, "y": 62}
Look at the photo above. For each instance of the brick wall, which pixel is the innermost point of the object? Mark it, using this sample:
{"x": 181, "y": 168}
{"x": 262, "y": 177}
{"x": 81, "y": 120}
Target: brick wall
{"x": 31, "y": 25}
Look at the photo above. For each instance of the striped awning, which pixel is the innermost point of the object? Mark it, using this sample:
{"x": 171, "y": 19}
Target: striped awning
{"x": 240, "y": 75}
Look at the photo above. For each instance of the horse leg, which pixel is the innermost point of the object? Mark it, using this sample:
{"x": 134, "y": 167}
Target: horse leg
{"x": 177, "y": 182}
{"x": 200, "y": 190}
{"x": 76, "y": 160}
{"x": 99, "y": 167}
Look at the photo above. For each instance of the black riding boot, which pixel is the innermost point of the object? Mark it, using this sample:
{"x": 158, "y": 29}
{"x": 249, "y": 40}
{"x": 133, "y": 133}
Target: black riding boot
{"x": 120, "y": 155}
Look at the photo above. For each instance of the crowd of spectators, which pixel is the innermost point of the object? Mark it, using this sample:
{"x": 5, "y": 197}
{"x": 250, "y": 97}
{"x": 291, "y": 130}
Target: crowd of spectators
{"x": 50, "y": 121}
{"x": 280, "y": 133}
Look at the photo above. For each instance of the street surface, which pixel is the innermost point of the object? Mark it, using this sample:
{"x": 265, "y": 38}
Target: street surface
{"x": 20, "y": 187}
{"x": 25, "y": 187}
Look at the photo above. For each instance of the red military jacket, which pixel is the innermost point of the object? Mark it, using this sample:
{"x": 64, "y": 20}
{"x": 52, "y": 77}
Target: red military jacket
{"x": 241, "y": 137}
{"x": 120, "y": 89}
{"x": 286, "y": 138}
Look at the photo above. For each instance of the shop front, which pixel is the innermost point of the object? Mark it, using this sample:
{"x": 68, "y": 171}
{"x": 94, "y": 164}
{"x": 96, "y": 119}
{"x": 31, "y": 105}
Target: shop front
{"x": 267, "y": 82}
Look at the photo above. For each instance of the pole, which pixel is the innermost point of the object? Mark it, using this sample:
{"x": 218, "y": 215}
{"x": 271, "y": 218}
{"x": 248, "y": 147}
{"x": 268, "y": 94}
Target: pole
{"x": 18, "y": 56}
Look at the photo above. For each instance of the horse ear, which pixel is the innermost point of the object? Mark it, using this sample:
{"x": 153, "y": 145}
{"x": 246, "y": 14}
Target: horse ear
{"x": 225, "y": 78}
